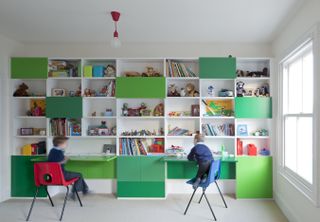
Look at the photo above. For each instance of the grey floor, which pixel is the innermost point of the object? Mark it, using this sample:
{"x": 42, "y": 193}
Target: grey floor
{"x": 108, "y": 208}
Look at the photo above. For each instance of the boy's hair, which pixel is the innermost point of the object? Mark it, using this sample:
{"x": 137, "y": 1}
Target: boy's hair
{"x": 199, "y": 137}
{"x": 58, "y": 140}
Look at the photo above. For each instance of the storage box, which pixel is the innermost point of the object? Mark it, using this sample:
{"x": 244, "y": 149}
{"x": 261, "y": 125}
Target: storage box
{"x": 87, "y": 71}
{"x": 98, "y": 71}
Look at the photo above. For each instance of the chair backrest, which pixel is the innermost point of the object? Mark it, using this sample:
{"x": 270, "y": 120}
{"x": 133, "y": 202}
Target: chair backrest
{"x": 214, "y": 172}
{"x": 47, "y": 173}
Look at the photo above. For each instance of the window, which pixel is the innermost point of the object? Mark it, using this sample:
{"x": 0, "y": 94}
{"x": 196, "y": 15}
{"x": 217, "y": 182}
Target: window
{"x": 298, "y": 114}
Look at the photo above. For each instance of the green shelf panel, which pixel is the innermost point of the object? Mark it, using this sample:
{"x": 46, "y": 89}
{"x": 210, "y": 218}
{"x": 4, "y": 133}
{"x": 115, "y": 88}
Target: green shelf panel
{"x": 253, "y": 107}
{"x": 29, "y": 68}
{"x": 136, "y": 189}
{"x": 93, "y": 169}
{"x": 254, "y": 177}
{"x": 64, "y": 107}
{"x": 152, "y": 168}
{"x": 188, "y": 170}
{"x": 22, "y": 178}
{"x": 217, "y": 67}
{"x": 140, "y": 87}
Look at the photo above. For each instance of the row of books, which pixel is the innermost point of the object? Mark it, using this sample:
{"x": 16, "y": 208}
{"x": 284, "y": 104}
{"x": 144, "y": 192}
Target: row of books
{"x": 133, "y": 147}
{"x": 177, "y": 69}
{"x": 65, "y": 127}
{"x": 226, "y": 129}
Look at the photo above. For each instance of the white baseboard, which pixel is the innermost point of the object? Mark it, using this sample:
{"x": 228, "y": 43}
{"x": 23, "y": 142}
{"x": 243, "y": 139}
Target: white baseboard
{"x": 292, "y": 217}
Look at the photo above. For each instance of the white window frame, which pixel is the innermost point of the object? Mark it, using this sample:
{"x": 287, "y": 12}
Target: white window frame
{"x": 311, "y": 191}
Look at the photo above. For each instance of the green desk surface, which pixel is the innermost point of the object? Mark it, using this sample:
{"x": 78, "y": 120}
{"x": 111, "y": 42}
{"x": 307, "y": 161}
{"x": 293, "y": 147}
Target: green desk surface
{"x": 81, "y": 158}
{"x": 184, "y": 159}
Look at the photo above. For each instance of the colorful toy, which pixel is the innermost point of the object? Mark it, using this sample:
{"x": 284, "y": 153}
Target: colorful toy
{"x": 252, "y": 149}
{"x": 172, "y": 91}
{"x": 191, "y": 91}
{"x": 240, "y": 89}
{"x": 264, "y": 152}
{"x": 225, "y": 93}
{"x": 125, "y": 109}
{"x": 210, "y": 91}
{"x": 110, "y": 71}
{"x": 22, "y": 90}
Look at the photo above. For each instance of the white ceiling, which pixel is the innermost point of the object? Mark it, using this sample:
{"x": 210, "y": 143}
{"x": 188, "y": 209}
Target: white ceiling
{"x": 65, "y": 21}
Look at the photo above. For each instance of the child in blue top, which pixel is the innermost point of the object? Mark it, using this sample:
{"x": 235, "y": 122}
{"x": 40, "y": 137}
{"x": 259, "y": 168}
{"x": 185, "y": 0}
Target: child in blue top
{"x": 202, "y": 154}
{"x": 56, "y": 154}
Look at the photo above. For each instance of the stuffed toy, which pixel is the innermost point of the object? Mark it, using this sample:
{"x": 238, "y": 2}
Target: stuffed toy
{"x": 125, "y": 109}
{"x": 159, "y": 110}
{"x": 172, "y": 91}
{"x": 240, "y": 89}
{"x": 110, "y": 71}
{"x": 150, "y": 72}
{"x": 191, "y": 91}
{"x": 22, "y": 90}
{"x": 132, "y": 74}
{"x": 263, "y": 73}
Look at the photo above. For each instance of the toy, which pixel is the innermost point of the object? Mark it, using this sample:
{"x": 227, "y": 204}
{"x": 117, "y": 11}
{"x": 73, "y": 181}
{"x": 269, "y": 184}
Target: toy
{"x": 21, "y": 91}
{"x": 190, "y": 90}
{"x": 252, "y": 149}
{"x": 241, "y": 73}
{"x": 150, "y": 72}
{"x": 239, "y": 147}
{"x": 175, "y": 151}
{"x": 225, "y": 93}
{"x": 125, "y": 109}
{"x": 78, "y": 91}
{"x": 136, "y": 111}
{"x": 159, "y": 110}
{"x": 240, "y": 89}
{"x": 263, "y": 73}
{"x": 94, "y": 113}
{"x": 132, "y": 74}
{"x": 172, "y": 91}
{"x": 210, "y": 91}
{"x": 261, "y": 132}
{"x": 183, "y": 92}
{"x": 110, "y": 71}
{"x": 264, "y": 152}
{"x": 108, "y": 112}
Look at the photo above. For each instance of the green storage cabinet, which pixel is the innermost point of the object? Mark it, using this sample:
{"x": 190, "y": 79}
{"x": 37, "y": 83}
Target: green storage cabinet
{"x": 29, "y": 68}
{"x": 254, "y": 177}
{"x": 253, "y": 107}
{"x": 217, "y": 67}
{"x": 64, "y": 107}
{"x": 188, "y": 170}
{"x": 94, "y": 169}
{"x": 140, "y": 176}
{"x": 140, "y": 87}
{"x": 22, "y": 177}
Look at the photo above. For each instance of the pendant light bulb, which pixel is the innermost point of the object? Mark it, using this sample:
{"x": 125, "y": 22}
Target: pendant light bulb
{"x": 115, "y": 42}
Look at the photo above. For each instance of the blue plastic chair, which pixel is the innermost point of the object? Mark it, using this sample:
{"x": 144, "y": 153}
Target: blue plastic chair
{"x": 213, "y": 176}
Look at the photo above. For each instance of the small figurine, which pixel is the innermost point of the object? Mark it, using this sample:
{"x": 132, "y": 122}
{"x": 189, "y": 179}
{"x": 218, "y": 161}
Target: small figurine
{"x": 191, "y": 91}
{"x": 150, "y": 72}
{"x": 125, "y": 109}
{"x": 210, "y": 91}
{"x": 182, "y": 92}
{"x": 21, "y": 91}
{"x": 240, "y": 89}
{"x": 94, "y": 113}
{"x": 110, "y": 71}
{"x": 132, "y": 74}
{"x": 159, "y": 110}
{"x": 78, "y": 91}
{"x": 172, "y": 91}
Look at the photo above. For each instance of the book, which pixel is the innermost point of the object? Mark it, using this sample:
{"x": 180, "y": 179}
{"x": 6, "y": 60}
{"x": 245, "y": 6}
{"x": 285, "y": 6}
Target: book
{"x": 140, "y": 146}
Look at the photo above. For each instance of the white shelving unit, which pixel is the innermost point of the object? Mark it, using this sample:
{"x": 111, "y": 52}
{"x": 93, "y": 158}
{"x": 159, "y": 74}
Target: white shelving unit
{"x": 86, "y": 144}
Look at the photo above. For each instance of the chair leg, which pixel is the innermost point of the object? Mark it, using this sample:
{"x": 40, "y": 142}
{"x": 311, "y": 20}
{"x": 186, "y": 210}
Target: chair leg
{"x": 221, "y": 195}
{"x": 46, "y": 188}
{"x": 78, "y": 197}
{"x": 64, "y": 203}
{"x": 201, "y": 198}
{"x": 205, "y": 196}
{"x": 185, "y": 212}
{"x": 34, "y": 199}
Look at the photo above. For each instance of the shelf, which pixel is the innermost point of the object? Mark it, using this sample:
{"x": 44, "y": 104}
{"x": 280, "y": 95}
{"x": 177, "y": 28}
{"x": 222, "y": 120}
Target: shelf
{"x": 182, "y": 78}
{"x": 217, "y": 117}
{"x": 29, "y": 97}
{"x": 99, "y": 97}
{"x": 98, "y": 78}
{"x": 180, "y": 137}
{"x": 31, "y": 136}
{"x": 98, "y": 137}
{"x": 252, "y": 78}
{"x": 217, "y": 98}
{"x": 144, "y": 137}
{"x": 219, "y": 137}
{"x": 183, "y": 117}
{"x": 30, "y": 117}
{"x": 253, "y": 137}
{"x": 99, "y": 117}
{"x": 182, "y": 97}
{"x": 66, "y": 78}
{"x": 141, "y": 117}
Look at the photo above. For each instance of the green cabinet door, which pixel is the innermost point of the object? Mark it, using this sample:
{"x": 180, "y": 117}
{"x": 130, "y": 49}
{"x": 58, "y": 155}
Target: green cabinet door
{"x": 22, "y": 178}
{"x": 64, "y": 107}
{"x": 140, "y": 87}
{"x": 128, "y": 168}
{"x": 254, "y": 177}
{"x": 152, "y": 168}
{"x": 128, "y": 189}
{"x": 29, "y": 68}
{"x": 93, "y": 169}
{"x": 217, "y": 67}
{"x": 228, "y": 171}
{"x": 253, "y": 107}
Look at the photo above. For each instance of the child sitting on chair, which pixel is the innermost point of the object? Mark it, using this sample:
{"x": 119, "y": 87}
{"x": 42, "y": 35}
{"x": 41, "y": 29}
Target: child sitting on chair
{"x": 56, "y": 154}
{"x": 202, "y": 154}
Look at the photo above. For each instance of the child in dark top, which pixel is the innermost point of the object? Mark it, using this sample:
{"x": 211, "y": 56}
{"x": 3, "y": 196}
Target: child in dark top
{"x": 202, "y": 154}
{"x": 56, "y": 154}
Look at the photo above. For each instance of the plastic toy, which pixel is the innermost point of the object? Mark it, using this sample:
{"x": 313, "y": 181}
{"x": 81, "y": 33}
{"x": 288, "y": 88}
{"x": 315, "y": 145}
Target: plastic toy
{"x": 252, "y": 150}
{"x": 210, "y": 91}
{"x": 225, "y": 93}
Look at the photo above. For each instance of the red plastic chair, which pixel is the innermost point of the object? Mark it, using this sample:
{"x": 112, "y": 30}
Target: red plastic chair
{"x": 50, "y": 174}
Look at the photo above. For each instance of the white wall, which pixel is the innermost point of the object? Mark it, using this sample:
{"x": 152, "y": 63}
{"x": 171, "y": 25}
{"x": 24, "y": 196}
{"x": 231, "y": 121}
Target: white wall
{"x": 294, "y": 204}
{"x": 147, "y": 50}
{"x": 7, "y": 47}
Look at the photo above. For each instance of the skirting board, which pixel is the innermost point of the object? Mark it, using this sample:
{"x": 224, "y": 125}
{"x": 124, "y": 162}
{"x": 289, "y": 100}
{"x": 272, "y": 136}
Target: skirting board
{"x": 285, "y": 209}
